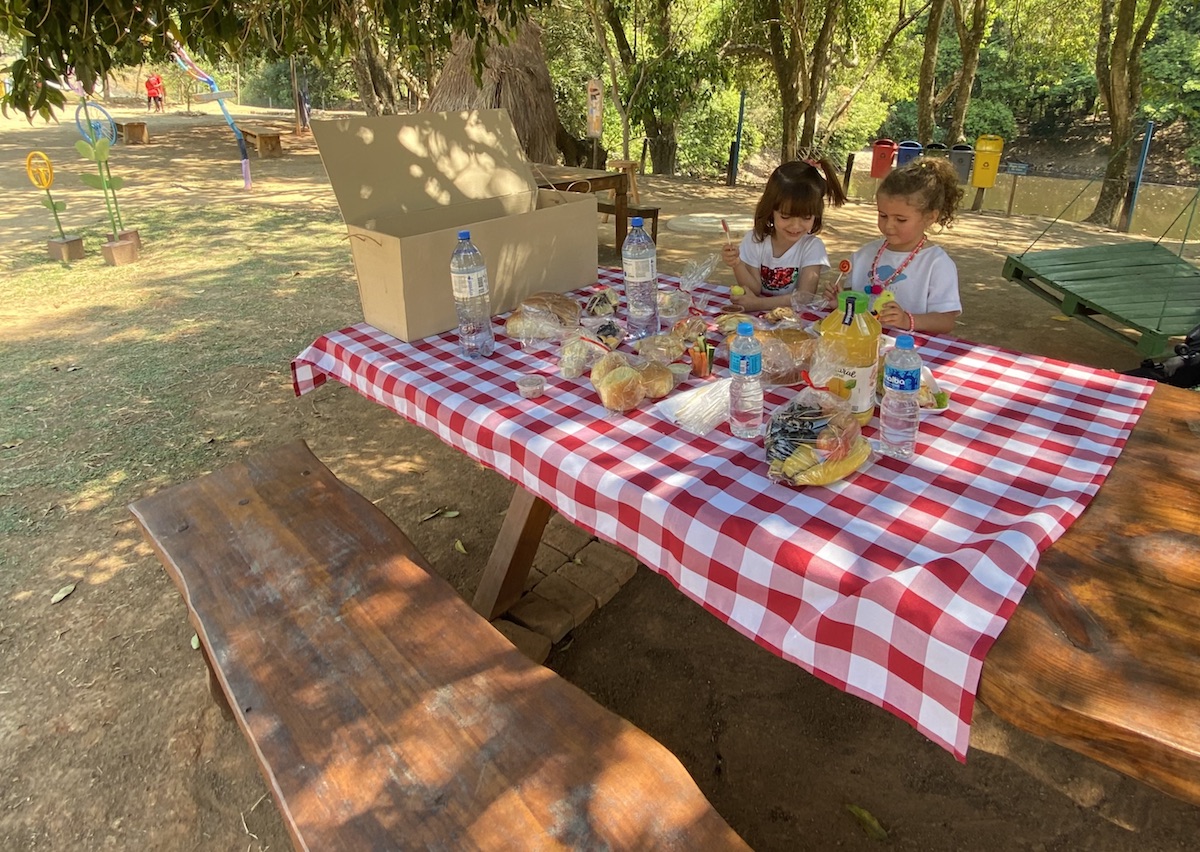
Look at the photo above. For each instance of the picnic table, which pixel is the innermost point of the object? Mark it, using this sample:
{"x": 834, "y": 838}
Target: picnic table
{"x": 892, "y": 585}
{"x": 579, "y": 179}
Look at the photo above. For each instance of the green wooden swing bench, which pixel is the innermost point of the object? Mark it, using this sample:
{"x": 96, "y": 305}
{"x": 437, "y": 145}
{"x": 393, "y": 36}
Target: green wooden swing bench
{"x": 1150, "y": 293}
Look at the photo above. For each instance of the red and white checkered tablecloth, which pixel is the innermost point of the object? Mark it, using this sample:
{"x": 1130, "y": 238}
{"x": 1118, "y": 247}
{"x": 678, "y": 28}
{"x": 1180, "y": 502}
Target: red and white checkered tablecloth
{"x": 891, "y": 585}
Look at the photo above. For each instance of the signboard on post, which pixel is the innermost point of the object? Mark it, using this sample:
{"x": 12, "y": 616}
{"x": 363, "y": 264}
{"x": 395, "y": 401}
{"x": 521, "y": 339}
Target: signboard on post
{"x": 595, "y": 109}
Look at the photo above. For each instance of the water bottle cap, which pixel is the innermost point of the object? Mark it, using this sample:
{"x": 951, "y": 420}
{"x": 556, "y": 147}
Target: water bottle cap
{"x": 904, "y": 341}
{"x": 745, "y": 329}
{"x": 464, "y": 235}
{"x": 635, "y": 222}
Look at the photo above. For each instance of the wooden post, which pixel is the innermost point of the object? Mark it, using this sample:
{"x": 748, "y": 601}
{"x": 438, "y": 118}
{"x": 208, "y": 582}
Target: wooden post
{"x": 849, "y": 172}
{"x": 978, "y": 204}
{"x": 1012, "y": 194}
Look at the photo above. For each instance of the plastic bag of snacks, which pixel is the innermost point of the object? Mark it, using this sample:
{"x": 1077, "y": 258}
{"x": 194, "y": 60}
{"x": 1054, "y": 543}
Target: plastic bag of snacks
{"x": 580, "y": 349}
{"x": 814, "y": 439}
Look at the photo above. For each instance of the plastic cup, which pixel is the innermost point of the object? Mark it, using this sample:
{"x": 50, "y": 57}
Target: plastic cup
{"x": 531, "y": 387}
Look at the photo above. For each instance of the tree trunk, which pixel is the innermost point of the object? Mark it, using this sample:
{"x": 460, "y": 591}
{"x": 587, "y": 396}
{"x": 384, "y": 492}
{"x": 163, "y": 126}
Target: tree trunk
{"x": 969, "y": 39}
{"x": 790, "y": 115}
{"x": 1119, "y": 73}
{"x": 928, "y": 80}
{"x": 376, "y": 85}
{"x": 663, "y": 146}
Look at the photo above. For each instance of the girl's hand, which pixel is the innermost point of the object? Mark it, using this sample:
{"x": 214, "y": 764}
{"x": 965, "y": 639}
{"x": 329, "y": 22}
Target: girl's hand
{"x": 729, "y": 254}
{"x": 894, "y": 316}
{"x": 830, "y": 291}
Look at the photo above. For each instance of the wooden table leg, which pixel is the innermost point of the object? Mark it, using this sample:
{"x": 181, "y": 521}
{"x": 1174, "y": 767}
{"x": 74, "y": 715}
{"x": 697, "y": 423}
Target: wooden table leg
{"x": 508, "y": 566}
{"x": 622, "y": 217}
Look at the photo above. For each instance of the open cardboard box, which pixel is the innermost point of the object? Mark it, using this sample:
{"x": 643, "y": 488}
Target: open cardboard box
{"x": 406, "y": 185}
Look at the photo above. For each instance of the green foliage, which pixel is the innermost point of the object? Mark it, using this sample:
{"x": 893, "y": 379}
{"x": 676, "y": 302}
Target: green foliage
{"x": 573, "y": 58}
{"x": 96, "y": 152}
{"x": 1171, "y": 67}
{"x": 91, "y": 39}
{"x": 270, "y": 84}
{"x": 986, "y": 116}
{"x": 706, "y": 132}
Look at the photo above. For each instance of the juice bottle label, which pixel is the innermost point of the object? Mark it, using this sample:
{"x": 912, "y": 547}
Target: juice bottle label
{"x": 856, "y": 384}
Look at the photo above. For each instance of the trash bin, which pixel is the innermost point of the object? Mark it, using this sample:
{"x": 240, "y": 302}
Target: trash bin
{"x": 907, "y": 152}
{"x": 961, "y": 157}
{"x": 987, "y": 161}
{"x": 936, "y": 149}
{"x": 882, "y": 153}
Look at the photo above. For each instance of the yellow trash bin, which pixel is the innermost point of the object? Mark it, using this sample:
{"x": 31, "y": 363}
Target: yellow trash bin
{"x": 987, "y": 161}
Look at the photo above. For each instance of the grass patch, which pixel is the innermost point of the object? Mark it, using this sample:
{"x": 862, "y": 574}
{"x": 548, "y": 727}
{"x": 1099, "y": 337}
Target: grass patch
{"x": 117, "y": 375}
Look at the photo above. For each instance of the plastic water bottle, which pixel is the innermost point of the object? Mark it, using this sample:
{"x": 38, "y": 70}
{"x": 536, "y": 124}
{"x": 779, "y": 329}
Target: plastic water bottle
{"x": 472, "y": 302}
{"x": 745, "y": 393}
{"x": 640, "y": 260}
{"x": 899, "y": 411}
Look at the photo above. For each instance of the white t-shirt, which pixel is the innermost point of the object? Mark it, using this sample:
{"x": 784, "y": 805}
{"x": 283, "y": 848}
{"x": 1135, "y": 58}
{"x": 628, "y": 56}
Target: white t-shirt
{"x": 778, "y": 276}
{"x": 928, "y": 284}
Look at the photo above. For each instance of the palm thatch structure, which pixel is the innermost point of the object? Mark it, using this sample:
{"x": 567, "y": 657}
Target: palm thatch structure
{"x": 515, "y": 78}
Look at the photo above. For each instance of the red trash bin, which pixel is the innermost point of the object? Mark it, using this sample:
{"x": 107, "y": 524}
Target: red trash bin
{"x": 882, "y": 154}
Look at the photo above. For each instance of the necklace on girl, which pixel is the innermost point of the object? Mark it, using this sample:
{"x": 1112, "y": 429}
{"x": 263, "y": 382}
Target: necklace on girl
{"x": 874, "y": 285}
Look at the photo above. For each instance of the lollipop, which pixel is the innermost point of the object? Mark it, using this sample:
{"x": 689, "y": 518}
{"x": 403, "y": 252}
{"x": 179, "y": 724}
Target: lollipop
{"x": 725, "y": 227}
{"x": 843, "y": 268}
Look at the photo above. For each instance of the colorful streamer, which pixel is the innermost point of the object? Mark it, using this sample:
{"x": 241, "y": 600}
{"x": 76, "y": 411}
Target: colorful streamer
{"x": 193, "y": 70}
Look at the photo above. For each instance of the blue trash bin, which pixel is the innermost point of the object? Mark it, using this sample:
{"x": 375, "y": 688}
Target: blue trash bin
{"x": 907, "y": 152}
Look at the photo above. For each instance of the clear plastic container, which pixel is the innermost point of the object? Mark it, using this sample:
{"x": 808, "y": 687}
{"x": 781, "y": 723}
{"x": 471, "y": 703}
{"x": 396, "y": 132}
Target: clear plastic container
{"x": 531, "y": 387}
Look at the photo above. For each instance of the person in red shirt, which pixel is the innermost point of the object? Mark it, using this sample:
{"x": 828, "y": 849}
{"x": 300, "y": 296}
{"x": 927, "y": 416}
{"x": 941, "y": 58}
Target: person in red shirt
{"x": 154, "y": 92}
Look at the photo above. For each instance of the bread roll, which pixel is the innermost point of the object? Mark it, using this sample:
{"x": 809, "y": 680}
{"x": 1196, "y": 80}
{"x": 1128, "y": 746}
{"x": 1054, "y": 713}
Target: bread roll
{"x": 657, "y": 379}
{"x": 621, "y": 389}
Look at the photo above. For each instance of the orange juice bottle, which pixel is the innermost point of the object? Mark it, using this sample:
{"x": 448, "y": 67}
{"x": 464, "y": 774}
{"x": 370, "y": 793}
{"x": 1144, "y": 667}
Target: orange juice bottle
{"x": 854, "y": 378}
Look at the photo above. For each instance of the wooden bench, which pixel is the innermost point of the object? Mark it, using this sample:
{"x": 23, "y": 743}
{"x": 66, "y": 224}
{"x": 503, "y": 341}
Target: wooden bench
{"x": 133, "y": 132}
{"x": 650, "y": 214}
{"x": 266, "y": 142}
{"x": 384, "y": 712}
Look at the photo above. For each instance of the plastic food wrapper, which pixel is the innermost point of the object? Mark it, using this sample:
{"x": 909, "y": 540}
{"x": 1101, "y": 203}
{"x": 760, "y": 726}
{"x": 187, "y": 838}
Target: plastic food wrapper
{"x": 788, "y": 353}
{"x": 543, "y": 316}
{"x": 699, "y": 410}
{"x": 696, "y": 272}
{"x": 814, "y": 439}
{"x": 661, "y": 347}
{"x": 580, "y": 349}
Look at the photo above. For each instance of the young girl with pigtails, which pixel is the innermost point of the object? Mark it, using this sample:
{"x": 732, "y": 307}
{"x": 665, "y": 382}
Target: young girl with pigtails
{"x": 782, "y": 254}
{"x": 912, "y": 284}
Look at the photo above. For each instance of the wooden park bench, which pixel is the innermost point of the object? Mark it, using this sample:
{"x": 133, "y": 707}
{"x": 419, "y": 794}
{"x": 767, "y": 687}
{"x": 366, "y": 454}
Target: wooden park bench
{"x": 383, "y": 710}
{"x": 650, "y": 214}
{"x": 133, "y": 132}
{"x": 265, "y": 141}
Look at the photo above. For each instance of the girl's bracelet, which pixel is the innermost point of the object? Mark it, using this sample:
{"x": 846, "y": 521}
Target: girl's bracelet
{"x": 912, "y": 323}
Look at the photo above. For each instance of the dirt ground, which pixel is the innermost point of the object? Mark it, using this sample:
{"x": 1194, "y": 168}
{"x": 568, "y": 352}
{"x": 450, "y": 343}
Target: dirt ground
{"x": 108, "y": 739}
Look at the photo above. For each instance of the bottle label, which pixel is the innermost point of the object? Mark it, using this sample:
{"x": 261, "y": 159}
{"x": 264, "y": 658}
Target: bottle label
{"x": 467, "y": 285}
{"x": 741, "y": 364}
{"x": 856, "y": 384}
{"x": 901, "y": 380}
{"x": 641, "y": 268}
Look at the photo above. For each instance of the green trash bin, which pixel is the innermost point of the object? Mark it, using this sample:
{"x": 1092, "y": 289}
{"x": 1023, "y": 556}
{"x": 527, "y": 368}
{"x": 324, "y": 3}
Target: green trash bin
{"x": 937, "y": 149}
{"x": 961, "y": 157}
{"x": 987, "y": 161}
